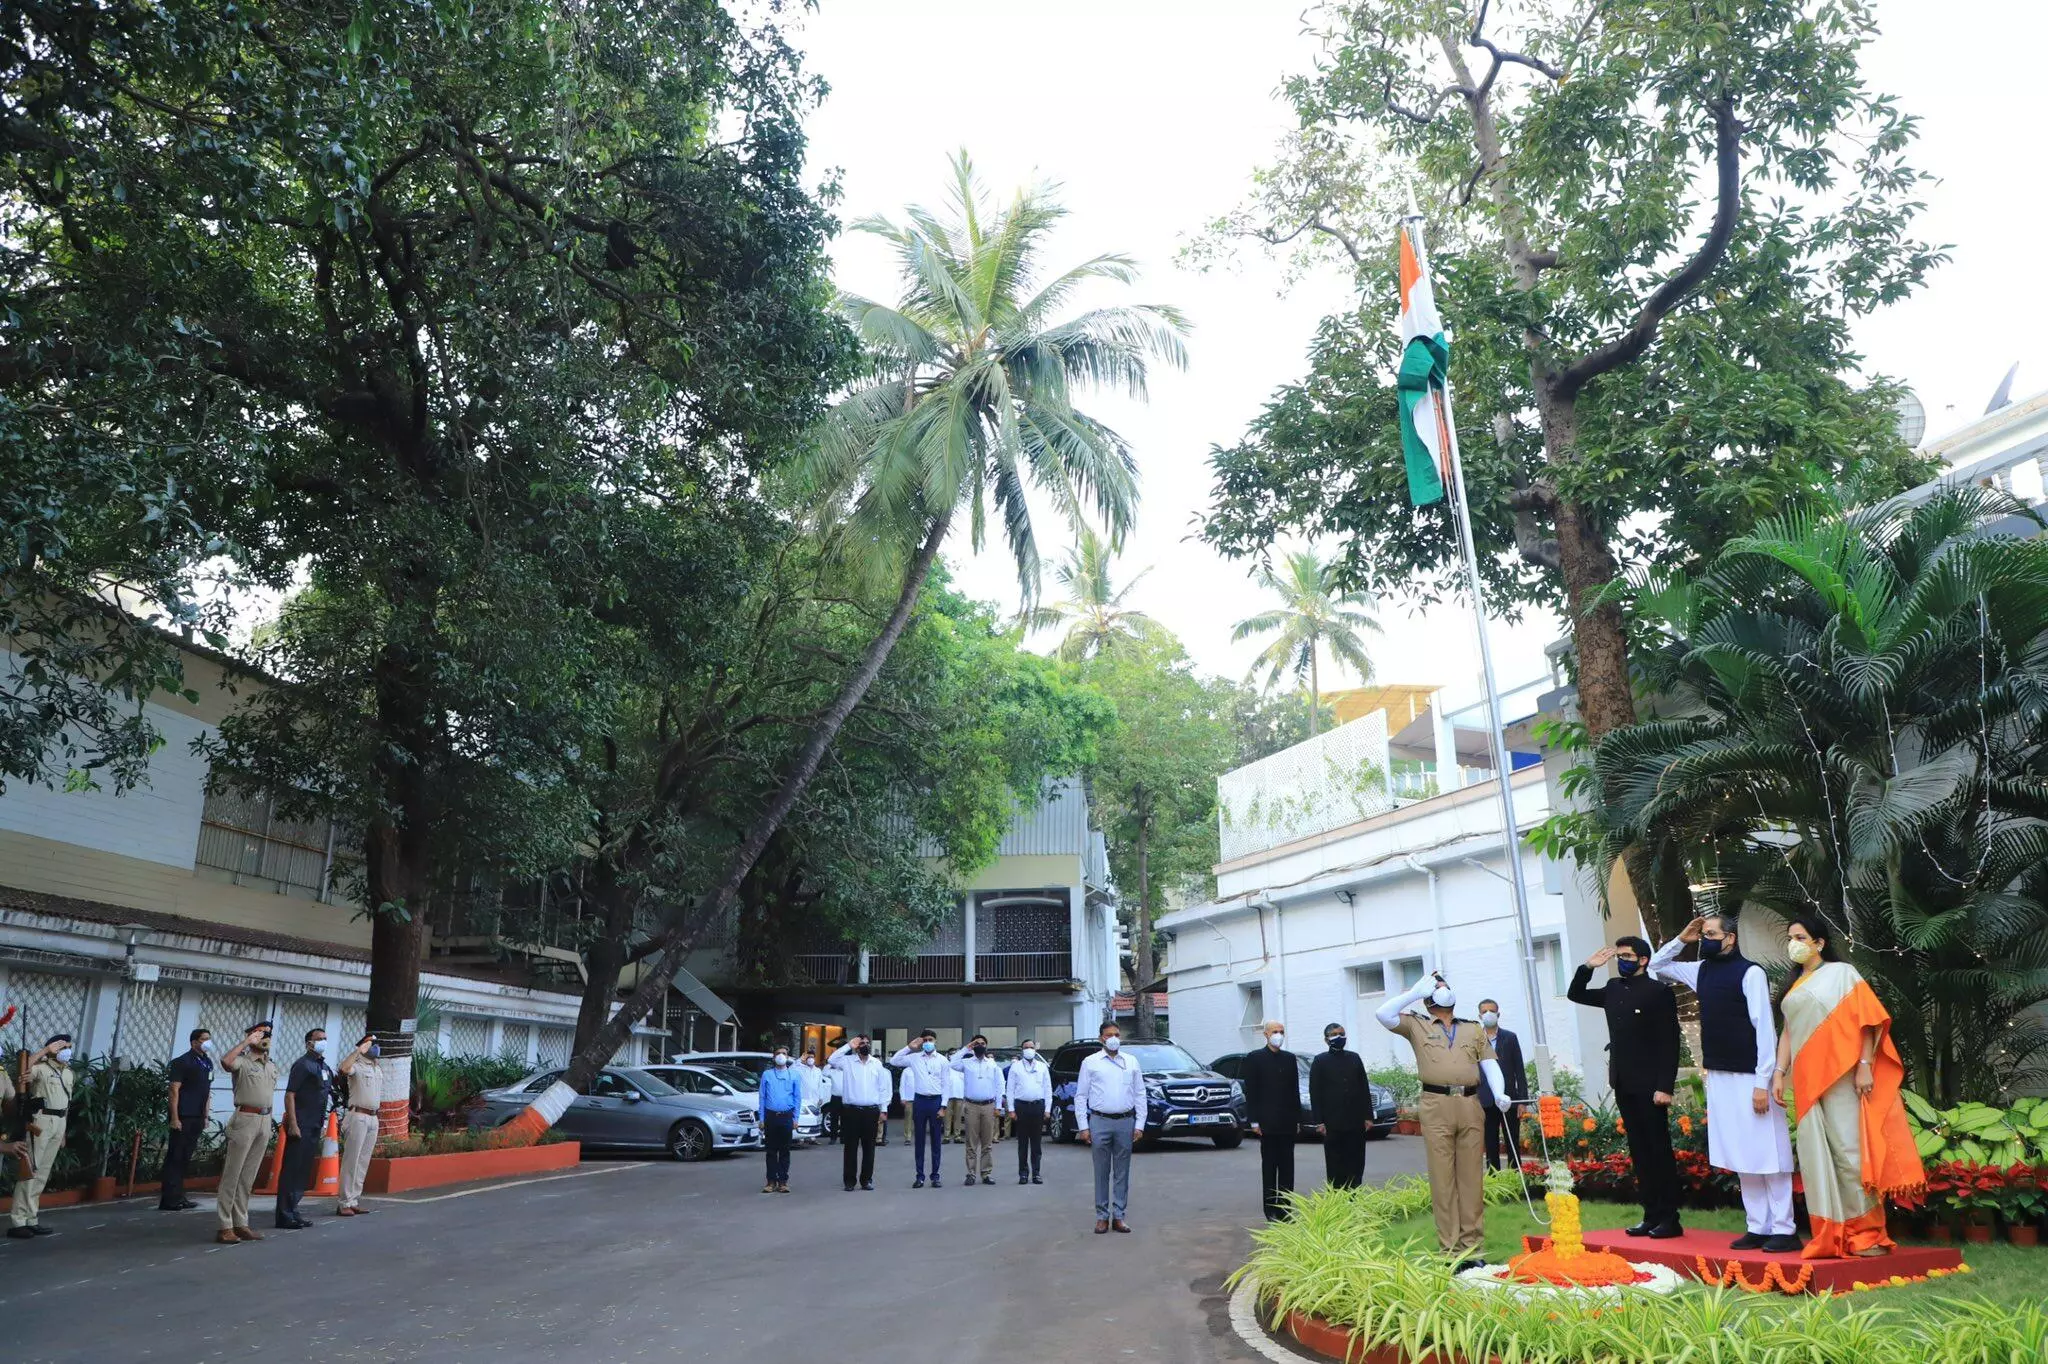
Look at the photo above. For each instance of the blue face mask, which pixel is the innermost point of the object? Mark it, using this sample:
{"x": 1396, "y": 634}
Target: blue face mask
{"x": 1627, "y": 968}
{"x": 1711, "y": 948}
{"x": 931, "y": 1046}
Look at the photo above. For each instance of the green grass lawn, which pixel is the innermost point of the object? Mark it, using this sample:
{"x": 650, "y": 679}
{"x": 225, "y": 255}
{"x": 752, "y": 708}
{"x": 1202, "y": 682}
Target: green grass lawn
{"x": 1999, "y": 1273}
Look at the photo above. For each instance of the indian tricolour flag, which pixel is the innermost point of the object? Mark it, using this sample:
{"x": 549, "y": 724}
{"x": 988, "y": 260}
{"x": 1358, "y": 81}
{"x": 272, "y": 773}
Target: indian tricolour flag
{"x": 1425, "y": 368}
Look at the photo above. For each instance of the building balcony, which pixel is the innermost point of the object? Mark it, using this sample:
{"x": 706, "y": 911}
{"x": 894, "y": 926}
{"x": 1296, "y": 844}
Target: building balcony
{"x": 1020, "y": 967}
{"x": 931, "y": 968}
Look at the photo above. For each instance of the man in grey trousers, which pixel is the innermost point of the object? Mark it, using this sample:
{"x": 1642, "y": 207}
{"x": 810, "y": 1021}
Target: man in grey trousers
{"x": 1109, "y": 1111}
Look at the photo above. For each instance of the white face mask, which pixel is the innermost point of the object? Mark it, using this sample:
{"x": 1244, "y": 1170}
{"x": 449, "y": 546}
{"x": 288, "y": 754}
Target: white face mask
{"x": 807, "y": 1059}
{"x": 1489, "y": 1018}
{"x": 1112, "y": 1043}
{"x": 207, "y": 1046}
{"x": 1277, "y": 1041}
{"x": 1800, "y": 950}
{"x": 63, "y": 1056}
{"x": 1444, "y": 997}
{"x": 320, "y": 1047}
{"x": 782, "y": 1060}
{"x": 1031, "y": 1053}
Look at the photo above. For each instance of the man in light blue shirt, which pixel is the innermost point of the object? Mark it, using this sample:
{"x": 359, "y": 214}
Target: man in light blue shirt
{"x": 776, "y": 1104}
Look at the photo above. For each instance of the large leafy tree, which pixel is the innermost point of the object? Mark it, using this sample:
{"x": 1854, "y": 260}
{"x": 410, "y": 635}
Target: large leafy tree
{"x": 1857, "y": 722}
{"x": 970, "y": 399}
{"x": 1093, "y": 614}
{"x": 1315, "y": 613}
{"x": 463, "y": 306}
{"x": 1654, "y": 225}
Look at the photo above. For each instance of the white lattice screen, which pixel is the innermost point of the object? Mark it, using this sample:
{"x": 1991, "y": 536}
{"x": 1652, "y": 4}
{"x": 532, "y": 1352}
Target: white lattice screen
{"x": 354, "y": 1023}
{"x": 149, "y": 1024}
{"x": 1329, "y": 781}
{"x": 295, "y": 1015}
{"x": 227, "y": 1014}
{"x": 517, "y": 1038}
{"x": 554, "y": 1046}
{"x": 469, "y": 1037}
{"x": 49, "y": 1003}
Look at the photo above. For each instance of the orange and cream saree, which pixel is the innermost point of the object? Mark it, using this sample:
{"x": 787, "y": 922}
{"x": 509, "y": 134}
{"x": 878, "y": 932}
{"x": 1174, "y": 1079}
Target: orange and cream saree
{"x": 1852, "y": 1150}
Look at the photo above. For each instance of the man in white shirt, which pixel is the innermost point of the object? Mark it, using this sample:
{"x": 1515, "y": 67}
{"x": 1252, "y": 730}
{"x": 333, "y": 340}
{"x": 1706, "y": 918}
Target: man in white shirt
{"x": 1109, "y": 1111}
{"x": 863, "y": 1095}
{"x": 906, "y": 1091}
{"x": 928, "y": 1071}
{"x": 981, "y": 1096}
{"x": 811, "y": 1076}
{"x": 950, "y": 1115}
{"x": 1027, "y": 1089}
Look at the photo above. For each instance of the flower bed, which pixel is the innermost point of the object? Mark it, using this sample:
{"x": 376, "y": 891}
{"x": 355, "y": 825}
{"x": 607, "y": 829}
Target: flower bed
{"x": 389, "y": 1174}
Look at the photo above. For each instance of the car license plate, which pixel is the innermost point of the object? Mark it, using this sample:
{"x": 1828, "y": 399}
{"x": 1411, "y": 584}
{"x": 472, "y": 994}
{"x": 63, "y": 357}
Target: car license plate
{"x": 1210, "y": 1117}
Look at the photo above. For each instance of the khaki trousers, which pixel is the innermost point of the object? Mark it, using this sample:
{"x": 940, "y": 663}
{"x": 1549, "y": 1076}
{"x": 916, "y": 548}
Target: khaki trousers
{"x": 358, "y": 1143}
{"x": 248, "y": 1135}
{"x": 953, "y": 1110}
{"x": 1454, "y": 1135}
{"x": 980, "y": 1122}
{"x": 43, "y": 1147}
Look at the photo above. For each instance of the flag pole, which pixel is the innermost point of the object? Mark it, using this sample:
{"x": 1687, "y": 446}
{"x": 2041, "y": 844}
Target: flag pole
{"x": 1510, "y": 844}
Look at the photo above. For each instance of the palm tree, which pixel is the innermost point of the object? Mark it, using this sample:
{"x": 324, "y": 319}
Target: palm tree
{"x": 969, "y": 401}
{"x": 1857, "y": 727}
{"x": 1314, "y": 612}
{"x": 1096, "y": 618}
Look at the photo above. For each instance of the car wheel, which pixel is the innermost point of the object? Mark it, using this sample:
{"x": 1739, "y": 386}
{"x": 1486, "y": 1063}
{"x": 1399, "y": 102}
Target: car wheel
{"x": 1228, "y": 1141}
{"x": 689, "y": 1140}
{"x": 1063, "y": 1125}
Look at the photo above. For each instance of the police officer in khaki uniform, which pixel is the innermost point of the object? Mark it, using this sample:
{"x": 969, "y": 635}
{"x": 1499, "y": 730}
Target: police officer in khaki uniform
{"x": 49, "y": 1089}
{"x": 249, "y": 1061}
{"x": 359, "y": 1123}
{"x": 1451, "y": 1054}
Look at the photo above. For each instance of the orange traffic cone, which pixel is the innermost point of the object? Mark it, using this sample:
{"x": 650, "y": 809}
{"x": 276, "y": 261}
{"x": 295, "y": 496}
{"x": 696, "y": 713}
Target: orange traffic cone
{"x": 273, "y": 1169}
{"x": 327, "y": 1175}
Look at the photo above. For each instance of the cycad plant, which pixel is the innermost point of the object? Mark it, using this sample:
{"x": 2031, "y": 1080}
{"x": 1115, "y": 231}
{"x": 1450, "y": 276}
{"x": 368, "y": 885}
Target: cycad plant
{"x": 1857, "y": 722}
{"x": 1315, "y": 612}
{"x": 1097, "y": 621}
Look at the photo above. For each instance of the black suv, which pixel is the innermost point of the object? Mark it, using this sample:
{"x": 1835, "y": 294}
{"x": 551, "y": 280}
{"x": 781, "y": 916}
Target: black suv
{"x": 1386, "y": 1109}
{"x": 1183, "y": 1098}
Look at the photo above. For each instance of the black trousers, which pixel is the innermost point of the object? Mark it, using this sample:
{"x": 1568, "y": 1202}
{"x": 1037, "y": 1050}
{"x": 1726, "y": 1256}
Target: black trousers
{"x": 857, "y": 1125}
{"x": 1649, "y": 1150}
{"x": 1343, "y": 1158}
{"x": 1276, "y": 1171}
{"x": 1030, "y": 1135}
{"x": 299, "y": 1154}
{"x": 778, "y": 1129}
{"x": 178, "y": 1158}
{"x": 832, "y": 1118}
{"x": 1497, "y": 1141}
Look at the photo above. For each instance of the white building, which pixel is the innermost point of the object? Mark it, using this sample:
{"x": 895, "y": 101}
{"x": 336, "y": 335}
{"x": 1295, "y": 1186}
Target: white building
{"x": 1336, "y": 892}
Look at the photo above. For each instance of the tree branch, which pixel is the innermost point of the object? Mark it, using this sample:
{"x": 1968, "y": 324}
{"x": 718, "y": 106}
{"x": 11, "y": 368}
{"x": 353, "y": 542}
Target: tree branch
{"x": 1532, "y": 504}
{"x": 1728, "y": 206}
{"x": 1314, "y": 224}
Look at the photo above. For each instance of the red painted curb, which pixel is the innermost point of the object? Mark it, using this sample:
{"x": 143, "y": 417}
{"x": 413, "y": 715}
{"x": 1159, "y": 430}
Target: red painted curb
{"x": 398, "y": 1174}
{"x": 65, "y": 1198}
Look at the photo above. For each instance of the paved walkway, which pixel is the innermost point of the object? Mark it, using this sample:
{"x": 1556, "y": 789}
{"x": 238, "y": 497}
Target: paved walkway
{"x": 638, "y": 1259}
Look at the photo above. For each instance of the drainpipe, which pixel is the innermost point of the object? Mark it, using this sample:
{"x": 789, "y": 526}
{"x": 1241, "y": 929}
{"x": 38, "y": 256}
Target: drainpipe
{"x": 1279, "y": 1009}
{"x": 1436, "y": 909}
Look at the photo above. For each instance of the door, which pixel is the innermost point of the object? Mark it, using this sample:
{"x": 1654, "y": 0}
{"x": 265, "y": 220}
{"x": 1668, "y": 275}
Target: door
{"x": 611, "y": 1118}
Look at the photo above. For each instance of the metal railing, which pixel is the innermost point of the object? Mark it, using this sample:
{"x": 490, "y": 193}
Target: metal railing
{"x": 930, "y": 969}
{"x": 1023, "y": 966}
{"x": 826, "y": 968}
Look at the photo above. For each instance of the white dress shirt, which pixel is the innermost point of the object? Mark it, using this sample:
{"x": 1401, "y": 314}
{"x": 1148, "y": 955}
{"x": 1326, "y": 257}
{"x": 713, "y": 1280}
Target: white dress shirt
{"x": 981, "y": 1077}
{"x": 812, "y": 1078}
{"x": 906, "y": 1087}
{"x": 928, "y": 1067}
{"x": 862, "y": 1084}
{"x": 1109, "y": 1084}
{"x": 1025, "y": 1081}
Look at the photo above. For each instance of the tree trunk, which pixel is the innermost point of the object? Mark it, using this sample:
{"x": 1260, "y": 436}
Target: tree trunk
{"x": 1141, "y": 933}
{"x": 1315, "y": 694}
{"x": 398, "y": 863}
{"x": 606, "y": 957}
{"x": 680, "y": 929}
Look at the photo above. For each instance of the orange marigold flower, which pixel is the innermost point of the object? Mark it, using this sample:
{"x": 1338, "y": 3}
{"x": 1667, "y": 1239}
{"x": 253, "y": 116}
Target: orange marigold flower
{"x": 1685, "y": 1124}
{"x": 1589, "y": 1125}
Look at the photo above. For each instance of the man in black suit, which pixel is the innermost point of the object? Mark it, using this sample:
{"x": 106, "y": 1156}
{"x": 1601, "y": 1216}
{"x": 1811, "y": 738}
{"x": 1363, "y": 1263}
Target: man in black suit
{"x": 1507, "y": 1049}
{"x": 1272, "y": 1098}
{"x": 1642, "y": 1070}
{"x": 1341, "y": 1095}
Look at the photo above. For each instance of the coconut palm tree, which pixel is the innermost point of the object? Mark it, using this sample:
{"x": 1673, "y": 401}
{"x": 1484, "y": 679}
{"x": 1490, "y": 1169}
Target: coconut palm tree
{"x": 1856, "y": 723}
{"x": 1094, "y": 614}
{"x": 1315, "y": 612}
{"x": 968, "y": 402}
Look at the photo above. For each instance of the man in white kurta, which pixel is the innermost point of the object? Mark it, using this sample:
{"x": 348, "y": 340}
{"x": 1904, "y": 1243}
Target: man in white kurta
{"x": 1746, "y": 1131}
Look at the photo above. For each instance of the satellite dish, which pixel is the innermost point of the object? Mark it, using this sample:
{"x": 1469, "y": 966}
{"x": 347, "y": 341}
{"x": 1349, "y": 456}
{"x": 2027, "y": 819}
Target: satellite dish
{"x": 1912, "y": 418}
{"x": 2003, "y": 398}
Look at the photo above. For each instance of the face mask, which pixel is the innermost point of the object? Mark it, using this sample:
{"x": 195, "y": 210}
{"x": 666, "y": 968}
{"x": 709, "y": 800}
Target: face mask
{"x": 981, "y": 1048}
{"x": 1443, "y": 997}
{"x": 63, "y": 1056}
{"x": 1112, "y": 1043}
{"x": 1277, "y": 1041}
{"x": 807, "y": 1059}
{"x": 1799, "y": 950}
{"x": 1711, "y": 948}
{"x": 1337, "y": 1042}
{"x": 207, "y": 1046}
{"x": 782, "y": 1060}
{"x": 1031, "y": 1053}
{"x": 1627, "y": 968}
{"x": 931, "y": 1046}
{"x": 375, "y": 1051}
{"x": 320, "y": 1047}
{"x": 1490, "y": 1018}
{"x": 861, "y": 1051}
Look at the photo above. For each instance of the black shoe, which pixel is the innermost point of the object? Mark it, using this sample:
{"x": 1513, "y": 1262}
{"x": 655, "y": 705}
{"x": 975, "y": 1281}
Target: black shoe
{"x": 986, "y": 1180}
{"x": 1639, "y": 1229}
{"x": 849, "y": 1188}
{"x": 21, "y": 1233}
{"x": 1781, "y": 1245}
{"x": 1023, "y": 1179}
{"x": 935, "y": 1181}
{"x": 1036, "y": 1180}
{"x": 38, "y": 1229}
{"x": 920, "y": 1182}
{"x": 1751, "y": 1240}
{"x": 1473, "y": 1263}
{"x": 293, "y": 1226}
{"x": 1666, "y": 1231}
{"x": 867, "y": 1187}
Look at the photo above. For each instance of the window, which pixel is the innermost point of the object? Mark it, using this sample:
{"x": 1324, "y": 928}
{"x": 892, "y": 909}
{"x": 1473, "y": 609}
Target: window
{"x": 246, "y": 837}
{"x": 1371, "y": 978}
{"x": 543, "y": 1082}
{"x": 1407, "y": 972}
{"x": 1550, "y": 964}
{"x": 1254, "y": 1007}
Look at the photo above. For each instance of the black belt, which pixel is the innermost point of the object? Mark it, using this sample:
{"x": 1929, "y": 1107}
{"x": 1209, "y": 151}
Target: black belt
{"x": 1127, "y": 1113}
{"x": 870, "y": 1107}
{"x": 54, "y": 1112}
{"x": 1455, "y": 1091}
{"x": 981, "y": 1103}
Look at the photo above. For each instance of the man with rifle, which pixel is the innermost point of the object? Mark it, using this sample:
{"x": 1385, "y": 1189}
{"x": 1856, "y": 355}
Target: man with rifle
{"x": 44, "y": 1106}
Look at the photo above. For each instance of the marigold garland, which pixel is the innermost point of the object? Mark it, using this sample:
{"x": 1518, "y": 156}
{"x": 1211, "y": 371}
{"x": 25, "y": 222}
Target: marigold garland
{"x": 1772, "y": 1277}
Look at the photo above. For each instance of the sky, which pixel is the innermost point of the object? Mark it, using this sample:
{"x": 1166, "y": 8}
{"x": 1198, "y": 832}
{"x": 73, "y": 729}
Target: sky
{"x": 1152, "y": 114}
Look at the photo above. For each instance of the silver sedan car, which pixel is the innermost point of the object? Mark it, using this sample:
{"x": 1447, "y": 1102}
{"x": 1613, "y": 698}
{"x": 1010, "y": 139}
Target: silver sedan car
{"x": 696, "y": 1078}
{"x": 632, "y": 1110}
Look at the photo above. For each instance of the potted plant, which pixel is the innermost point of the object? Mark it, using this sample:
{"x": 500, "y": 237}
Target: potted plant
{"x": 1981, "y": 1188}
{"x": 2021, "y": 1203}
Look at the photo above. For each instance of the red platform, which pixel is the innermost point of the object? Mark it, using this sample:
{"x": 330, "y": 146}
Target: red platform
{"x": 1705, "y": 1255}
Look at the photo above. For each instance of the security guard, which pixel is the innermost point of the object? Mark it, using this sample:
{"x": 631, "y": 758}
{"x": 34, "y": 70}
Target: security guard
{"x": 1451, "y": 1054}
{"x": 255, "y": 1073}
{"x": 306, "y": 1097}
{"x": 49, "y": 1091}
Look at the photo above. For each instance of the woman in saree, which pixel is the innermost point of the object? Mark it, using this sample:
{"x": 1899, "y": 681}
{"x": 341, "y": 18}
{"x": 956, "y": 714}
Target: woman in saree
{"x": 1844, "y": 1076}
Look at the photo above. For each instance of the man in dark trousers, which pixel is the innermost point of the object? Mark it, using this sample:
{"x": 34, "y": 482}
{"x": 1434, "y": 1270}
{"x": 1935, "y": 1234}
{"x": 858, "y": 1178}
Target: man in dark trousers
{"x": 1507, "y": 1049}
{"x": 308, "y": 1090}
{"x": 1642, "y": 1070}
{"x": 1341, "y": 1095}
{"x": 1272, "y": 1098}
{"x": 191, "y": 1086}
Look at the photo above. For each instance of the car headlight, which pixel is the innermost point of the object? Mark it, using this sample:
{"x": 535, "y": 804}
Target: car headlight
{"x": 1155, "y": 1092}
{"x": 738, "y": 1117}
{"x": 1236, "y": 1091}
